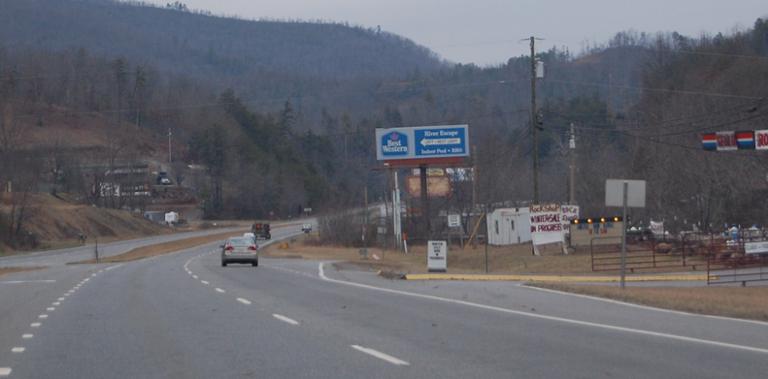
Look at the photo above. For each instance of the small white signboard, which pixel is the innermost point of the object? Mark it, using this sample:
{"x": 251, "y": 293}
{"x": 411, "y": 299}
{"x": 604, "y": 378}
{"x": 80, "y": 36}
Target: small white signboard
{"x": 614, "y": 193}
{"x": 569, "y": 212}
{"x": 437, "y": 256}
{"x": 454, "y": 221}
{"x": 760, "y": 247}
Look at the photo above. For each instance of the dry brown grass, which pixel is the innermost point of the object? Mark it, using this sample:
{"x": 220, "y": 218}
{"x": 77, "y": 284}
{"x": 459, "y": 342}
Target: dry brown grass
{"x": 163, "y": 248}
{"x": 10, "y": 270}
{"x": 57, "y": 223}
{"x": 515, "y": 259}
{"x": 749, "y": 302}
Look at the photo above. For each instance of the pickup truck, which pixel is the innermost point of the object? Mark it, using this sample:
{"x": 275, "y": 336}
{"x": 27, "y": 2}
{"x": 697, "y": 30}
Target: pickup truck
{"x": 261, "y": 230}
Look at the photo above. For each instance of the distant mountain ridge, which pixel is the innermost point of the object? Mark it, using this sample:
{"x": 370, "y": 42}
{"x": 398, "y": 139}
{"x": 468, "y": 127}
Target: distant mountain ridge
{"x": 198, "y": 45}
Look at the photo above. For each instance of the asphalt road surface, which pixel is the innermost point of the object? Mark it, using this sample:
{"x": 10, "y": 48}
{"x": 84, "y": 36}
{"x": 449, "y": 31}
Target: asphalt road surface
{"x": 184, "y": 316}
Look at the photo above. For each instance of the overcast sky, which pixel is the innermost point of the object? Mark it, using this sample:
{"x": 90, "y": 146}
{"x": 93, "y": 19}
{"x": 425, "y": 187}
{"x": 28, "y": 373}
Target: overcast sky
{"x": 488, "y": 31}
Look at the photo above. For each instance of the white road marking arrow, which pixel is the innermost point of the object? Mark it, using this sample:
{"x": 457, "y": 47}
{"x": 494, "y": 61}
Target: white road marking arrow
{"x": 440, "y": 141}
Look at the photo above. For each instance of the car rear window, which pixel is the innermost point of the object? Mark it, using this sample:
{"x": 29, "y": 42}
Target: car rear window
{"x": 241, "y": 241}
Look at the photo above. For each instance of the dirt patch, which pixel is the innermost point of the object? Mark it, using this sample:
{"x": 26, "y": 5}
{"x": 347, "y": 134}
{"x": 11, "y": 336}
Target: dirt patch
{"x": 10, "y": 270}
{"x": 749, "y": 302}
{"x": 163, "y": 248}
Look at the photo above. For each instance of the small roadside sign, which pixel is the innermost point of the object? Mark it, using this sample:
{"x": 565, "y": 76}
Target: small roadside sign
{"x": 437, "y": 256}
{"x": 454, "y": 221}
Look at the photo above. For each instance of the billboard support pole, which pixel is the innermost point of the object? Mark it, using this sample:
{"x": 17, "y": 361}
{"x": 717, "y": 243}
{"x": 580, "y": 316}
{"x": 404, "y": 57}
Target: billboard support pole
{"x": 425, "y": 202}
{"x": 396, "y": 214}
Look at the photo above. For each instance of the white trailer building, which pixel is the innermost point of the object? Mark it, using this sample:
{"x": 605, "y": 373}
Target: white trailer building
{"x": 508, "y": 226}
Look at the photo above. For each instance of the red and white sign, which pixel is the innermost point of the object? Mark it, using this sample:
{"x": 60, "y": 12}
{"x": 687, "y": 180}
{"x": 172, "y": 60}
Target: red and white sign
{"x": 726, "y": 141}
{"x": 546, "y": 223}
{"x": 761, "y": 139}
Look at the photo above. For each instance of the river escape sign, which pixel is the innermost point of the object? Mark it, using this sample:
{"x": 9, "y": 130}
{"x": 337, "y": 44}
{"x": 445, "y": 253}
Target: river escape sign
{"x": 422, "y": 142}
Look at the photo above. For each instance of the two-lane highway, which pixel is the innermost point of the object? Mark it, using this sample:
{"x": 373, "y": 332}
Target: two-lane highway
{"x": 183, "y": 315}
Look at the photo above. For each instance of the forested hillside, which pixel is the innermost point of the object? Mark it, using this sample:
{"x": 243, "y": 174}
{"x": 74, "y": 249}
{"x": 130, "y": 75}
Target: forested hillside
{"x": 281, "y": 114}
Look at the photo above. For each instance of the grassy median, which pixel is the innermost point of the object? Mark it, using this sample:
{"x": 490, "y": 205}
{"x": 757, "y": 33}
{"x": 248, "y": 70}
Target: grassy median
{"x": 748, "y": 302}
{"x": 514, "y": 259}
{"x": 163, "y": 248}
{"x": 10, "y": 270}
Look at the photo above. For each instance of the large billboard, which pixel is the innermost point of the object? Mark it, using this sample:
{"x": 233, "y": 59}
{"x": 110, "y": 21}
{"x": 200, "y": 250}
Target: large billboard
{"x": 422, "y": 142}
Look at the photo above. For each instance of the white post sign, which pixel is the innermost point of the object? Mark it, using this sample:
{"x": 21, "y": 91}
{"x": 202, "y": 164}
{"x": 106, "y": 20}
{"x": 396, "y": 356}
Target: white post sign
{"x": 454, "y": 221}
{"x": 437, "y": 256}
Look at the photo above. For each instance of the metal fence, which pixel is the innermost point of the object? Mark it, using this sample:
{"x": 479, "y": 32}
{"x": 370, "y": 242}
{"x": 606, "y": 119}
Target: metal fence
{"x": 686, "y": 253}
{"x": 737, "y": 268}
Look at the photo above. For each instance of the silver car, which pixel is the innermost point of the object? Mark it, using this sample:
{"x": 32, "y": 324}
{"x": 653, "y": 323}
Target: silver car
{"x": 239, "y": 250}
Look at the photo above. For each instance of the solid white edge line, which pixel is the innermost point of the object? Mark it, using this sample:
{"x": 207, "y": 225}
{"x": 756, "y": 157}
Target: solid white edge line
{"x": 219, "y": 290}
{"x": 5, "y": 371}
{"x": 18, "y": 349}
{"x": 285, "y": 319}
{"x": 647, "y": 307}
{"x": 321, "y": 273}
{"x": 380, "y": 355}
{"x": 244, "y": 301}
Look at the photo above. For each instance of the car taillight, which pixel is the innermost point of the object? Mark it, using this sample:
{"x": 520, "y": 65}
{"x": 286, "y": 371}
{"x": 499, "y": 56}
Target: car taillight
{"x": 252, "y": 247}
{"x": 229, "y": 248}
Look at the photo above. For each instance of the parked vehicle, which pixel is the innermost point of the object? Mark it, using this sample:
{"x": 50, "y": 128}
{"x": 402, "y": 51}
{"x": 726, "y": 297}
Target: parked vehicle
{"x": 261, "y": 230}
{"x": 239, "y": 250}
{"x": 306, "y": 228}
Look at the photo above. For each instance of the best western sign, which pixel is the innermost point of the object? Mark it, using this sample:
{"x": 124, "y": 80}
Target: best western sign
{"x": 422, "y": 142}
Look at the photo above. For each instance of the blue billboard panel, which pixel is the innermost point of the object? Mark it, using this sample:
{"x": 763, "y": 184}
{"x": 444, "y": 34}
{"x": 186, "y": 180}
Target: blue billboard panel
{"x": 442, "y": 142}
{"x": 422, "y": 142}
{"x": 394, "y": 144}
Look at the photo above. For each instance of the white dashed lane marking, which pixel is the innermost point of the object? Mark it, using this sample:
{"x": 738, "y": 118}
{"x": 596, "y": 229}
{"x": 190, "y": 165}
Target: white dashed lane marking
{"x": 5, "y": 371}
{"x": 285, "y": 319}
{"x": 43, "y": 316}
{"x": 18, "y": 349}
{"x": 26, "y": 281}
{"x": 50, "y": 309}
{"x": 35, "y": 324}
{"x": 204, "y": 282}
{"x": 219, "y": 290}
{"x": 27, "y": 336}
{"x": 244, "y": 301}
{"x": 380, "y": 355}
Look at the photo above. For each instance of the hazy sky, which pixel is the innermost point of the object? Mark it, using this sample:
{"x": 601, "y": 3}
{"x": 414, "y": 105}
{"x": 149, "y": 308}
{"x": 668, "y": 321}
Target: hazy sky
{"x": 488, "y": 31}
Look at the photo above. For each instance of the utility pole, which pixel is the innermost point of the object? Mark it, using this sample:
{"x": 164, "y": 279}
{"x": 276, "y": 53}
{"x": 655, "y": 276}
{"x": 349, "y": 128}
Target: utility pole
{"x": 365, "y": 220}
{"x": 474, "y": 180}
{"x": 572, "y": 181}
{"x": 534, "y": 127}
{"x": 169, "y": 146}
